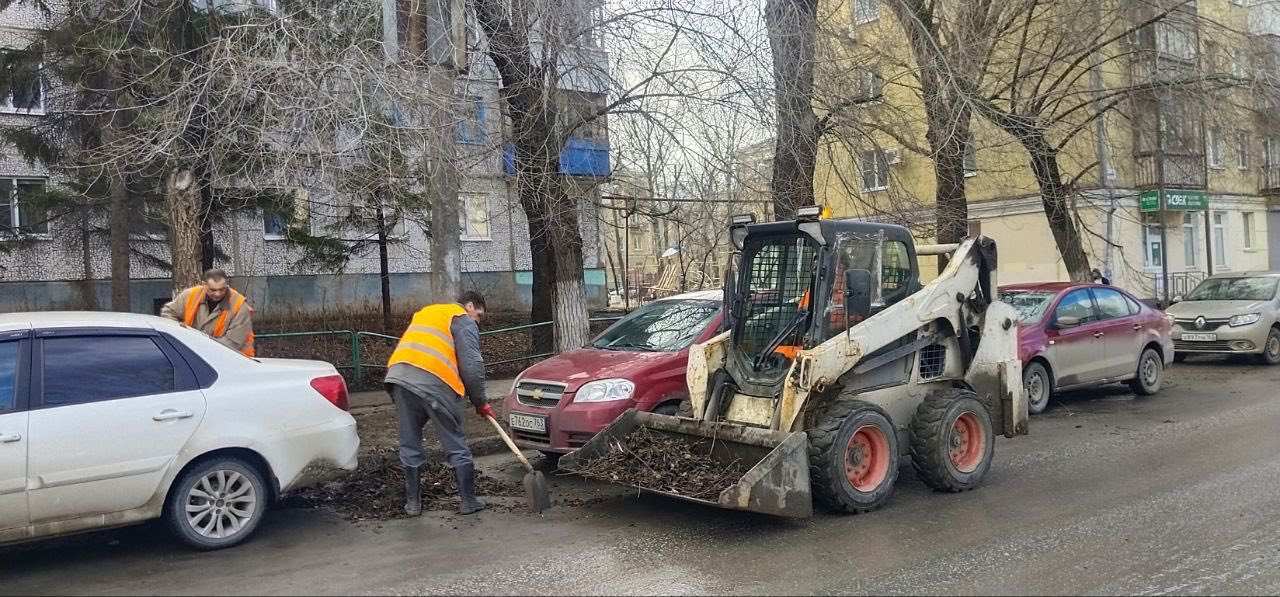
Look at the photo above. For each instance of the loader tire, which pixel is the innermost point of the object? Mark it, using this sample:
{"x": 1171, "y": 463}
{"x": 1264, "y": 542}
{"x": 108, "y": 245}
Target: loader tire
{"x": 853, "y": 457}
{"x": 952, "y": 441}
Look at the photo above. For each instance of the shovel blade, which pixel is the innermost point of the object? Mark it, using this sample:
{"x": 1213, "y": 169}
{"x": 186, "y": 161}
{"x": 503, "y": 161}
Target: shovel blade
{"x": 535, "y": 488}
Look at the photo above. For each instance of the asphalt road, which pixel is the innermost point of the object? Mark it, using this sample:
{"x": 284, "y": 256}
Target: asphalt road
{"x": 1177, "y": 493}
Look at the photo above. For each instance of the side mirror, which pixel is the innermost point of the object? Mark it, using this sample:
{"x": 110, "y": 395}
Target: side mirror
{"x": 857, "y": 292}
{"x": 1175, "y": 300}
{"x": 1066, "y": 321}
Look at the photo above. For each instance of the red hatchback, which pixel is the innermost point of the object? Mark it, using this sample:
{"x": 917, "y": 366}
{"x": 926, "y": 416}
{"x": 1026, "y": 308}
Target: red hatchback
{"x": 1078, "y": 335}
{"x": 639, "y": 362}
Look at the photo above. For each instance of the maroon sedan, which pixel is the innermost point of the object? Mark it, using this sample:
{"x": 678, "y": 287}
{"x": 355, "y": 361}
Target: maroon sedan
{"x": 639, "y": 362}
{"x": 1077, "y": 335}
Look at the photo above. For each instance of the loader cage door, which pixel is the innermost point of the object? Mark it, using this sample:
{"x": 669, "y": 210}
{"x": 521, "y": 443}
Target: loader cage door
{"x": 776, "y": 289}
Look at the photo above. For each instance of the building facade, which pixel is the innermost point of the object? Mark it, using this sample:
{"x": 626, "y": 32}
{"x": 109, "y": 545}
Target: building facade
{"x": 1172, "y": 185}
{"x": 51, "y": 262}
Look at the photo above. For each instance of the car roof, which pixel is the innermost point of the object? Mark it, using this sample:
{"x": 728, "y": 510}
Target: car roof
{"x": 1253, "y": 274}
{"x": 64, "y": 319}
{"x": 700, "y": 295}
{"x": 1049, "y": 286}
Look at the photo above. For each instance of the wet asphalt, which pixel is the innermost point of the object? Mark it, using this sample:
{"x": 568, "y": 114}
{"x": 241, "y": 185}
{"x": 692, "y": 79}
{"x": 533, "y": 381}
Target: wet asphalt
{"x": 1176, "y": 493}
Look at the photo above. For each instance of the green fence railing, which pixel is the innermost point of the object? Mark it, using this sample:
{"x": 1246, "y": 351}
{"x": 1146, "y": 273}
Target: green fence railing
{"x": 356, "y": 360}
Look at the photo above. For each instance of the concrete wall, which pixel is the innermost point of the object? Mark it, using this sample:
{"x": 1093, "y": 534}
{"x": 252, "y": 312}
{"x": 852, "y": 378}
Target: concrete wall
{"x": 281, "y": 295}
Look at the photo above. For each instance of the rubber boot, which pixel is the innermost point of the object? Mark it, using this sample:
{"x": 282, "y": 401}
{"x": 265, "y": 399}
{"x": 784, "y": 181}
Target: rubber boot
{"x": 466, "y": 475}
{"x": 412, "y": 491}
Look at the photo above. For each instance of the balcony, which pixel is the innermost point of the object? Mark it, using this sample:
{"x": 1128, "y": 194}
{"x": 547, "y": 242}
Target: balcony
{"x": 1149, "y": 67}
{"x": 581, "y": 157}
{"x": 1180, "y": 171}
{"x": 1270, "y": 180}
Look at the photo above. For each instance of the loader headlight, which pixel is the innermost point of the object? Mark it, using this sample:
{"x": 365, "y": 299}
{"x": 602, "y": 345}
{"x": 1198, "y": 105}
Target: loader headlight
{"x": 1240, "y": 320}
{"x": 605, "y": 390}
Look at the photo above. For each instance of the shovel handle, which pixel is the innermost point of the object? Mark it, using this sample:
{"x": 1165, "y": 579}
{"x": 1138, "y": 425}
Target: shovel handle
{"x": 510, "y": 444}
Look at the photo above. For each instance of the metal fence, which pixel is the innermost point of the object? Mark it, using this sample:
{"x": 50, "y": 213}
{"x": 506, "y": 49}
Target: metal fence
{"x": 357, "y": 366}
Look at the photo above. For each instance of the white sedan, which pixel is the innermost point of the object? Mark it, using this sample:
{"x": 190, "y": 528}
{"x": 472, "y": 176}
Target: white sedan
{"x": 108, "y": 419}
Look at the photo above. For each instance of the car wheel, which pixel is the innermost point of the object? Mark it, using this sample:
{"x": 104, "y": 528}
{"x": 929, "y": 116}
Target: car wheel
{"x": 670, "y": 409}
{"x": 1150, "y": 374}
{"x": 217, "y": 503}
{"x": 1271, "y": 351}
{"x": 1039, "y": 387}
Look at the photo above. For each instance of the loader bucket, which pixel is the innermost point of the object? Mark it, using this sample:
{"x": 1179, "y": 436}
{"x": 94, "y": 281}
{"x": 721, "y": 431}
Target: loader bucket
{"x": 777, "y": 465}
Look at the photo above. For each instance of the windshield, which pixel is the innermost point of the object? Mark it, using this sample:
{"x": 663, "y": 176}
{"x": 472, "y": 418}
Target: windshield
{"x": 774, "y": 299}
{"x": 661, "y": 326}
{"x": 1030, "y": 304}
{"x": 1235, "y": 289}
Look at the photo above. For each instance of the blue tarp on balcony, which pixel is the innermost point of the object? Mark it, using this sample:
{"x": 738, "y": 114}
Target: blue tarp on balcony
{"x": 579, "y": 158}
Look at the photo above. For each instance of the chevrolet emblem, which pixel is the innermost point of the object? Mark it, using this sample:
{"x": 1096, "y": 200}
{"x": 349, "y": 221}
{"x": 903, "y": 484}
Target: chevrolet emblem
{"x": 537, "y": 394}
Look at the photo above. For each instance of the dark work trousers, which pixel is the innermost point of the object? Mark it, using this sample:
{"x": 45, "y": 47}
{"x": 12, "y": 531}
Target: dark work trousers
{"x": 412, "y": 413}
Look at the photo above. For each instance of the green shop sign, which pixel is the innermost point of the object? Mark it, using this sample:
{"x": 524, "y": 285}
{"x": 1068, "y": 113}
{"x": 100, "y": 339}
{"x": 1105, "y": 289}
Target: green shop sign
{"x": 1177, "y": 200}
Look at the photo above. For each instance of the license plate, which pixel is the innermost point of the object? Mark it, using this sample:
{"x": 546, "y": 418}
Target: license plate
{"x": 529, "y": 423}
{"x": 1200, "y": 337}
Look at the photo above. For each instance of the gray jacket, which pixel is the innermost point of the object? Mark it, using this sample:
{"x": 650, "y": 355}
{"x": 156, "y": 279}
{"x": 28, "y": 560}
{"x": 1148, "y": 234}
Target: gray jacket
{"x": 466, "y": 343}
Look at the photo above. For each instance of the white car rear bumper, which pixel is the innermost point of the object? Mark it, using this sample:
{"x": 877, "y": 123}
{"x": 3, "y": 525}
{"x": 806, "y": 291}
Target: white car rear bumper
{"x": 335, "y": 444}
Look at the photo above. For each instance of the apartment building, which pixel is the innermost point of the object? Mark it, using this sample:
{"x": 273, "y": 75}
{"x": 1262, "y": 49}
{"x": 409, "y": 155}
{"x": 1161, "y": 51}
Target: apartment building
{"x": 51, "y": 262}
{"x": 1173, "y": 184}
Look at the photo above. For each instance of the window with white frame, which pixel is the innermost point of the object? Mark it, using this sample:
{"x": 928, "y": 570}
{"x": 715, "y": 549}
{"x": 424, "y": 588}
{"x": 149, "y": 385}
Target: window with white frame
{"x": 875, "y": 170}
{"x": 870, "y": 83}
{"x": 1153, "y": 253}
{"x": 1175, "y": 39}
{"x": 1249, "y": 233}
{"x": 20, "y": 210}
{"x": 25, "y": 89}
{"x": 970, "y": 157}
{"x": 1220, "y": 239}
{"x": 1190, "y": 239}
{"x": 475, "y": 217}
{"x": 865, "y": 11}
{"x": 1242, "y": 149}
{"x": 1270, "y": 147}
{"x": 1213, "y": 139}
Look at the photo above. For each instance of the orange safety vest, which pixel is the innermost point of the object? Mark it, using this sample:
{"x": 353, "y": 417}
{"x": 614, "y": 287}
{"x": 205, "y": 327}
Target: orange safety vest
{"x": 220, "y": 326}
{"x": 428, "y": 344}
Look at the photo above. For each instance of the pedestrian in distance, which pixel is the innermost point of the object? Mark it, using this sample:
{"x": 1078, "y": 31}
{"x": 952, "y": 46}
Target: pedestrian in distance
{"x": 435, "y": 365}
{"x": 216, "y": 309}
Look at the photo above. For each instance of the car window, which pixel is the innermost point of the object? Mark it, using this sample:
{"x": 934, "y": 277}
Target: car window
{"x": 1076, "y": 304}
{"x": 1134, "y": 307}
{"x": 1030, "y": 304}
{"x": 1111, "y": 304}
{"x": 93, "y": 368}
{"x": 1262, "y": 288}
{"x": 662, "y": 326}
{"x": 8, "y": 375}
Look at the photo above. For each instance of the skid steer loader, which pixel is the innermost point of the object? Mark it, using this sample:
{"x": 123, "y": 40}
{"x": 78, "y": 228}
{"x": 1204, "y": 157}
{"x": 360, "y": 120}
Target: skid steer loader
{"x": 836, "y": 365}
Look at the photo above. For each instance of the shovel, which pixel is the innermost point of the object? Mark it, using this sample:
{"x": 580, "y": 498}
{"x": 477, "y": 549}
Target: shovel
{"x": 535, "y": 485}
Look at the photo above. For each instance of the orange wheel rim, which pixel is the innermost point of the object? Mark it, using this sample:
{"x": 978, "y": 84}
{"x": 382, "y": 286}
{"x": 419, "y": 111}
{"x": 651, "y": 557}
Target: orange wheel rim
{"x": 866, "y": 458}
{"x": 967, "y": 443}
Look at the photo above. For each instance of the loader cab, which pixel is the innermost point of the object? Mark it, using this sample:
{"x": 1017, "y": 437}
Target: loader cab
{"x": 790, "y": 291}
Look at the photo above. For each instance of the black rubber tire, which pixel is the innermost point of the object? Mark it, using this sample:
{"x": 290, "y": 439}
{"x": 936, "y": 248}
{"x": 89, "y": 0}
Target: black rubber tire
{"x": 552, "y": 459}
{"x": 1139, "y": 384}
{"x": 932, "y": 430}
{"x": 1179, "y": 357}
{"x": 1038, "y": 369}
{"x": 670, "y": 409}
{"x": 685, "y": 409}
{"x": 1267, "y": 358}
{"x": 175, "y": 514}
{"x": 828, "y": 442}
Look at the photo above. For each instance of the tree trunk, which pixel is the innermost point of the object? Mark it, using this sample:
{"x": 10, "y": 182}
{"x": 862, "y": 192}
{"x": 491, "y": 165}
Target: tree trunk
{"x": 208, "y": 247}
{"x": 446, "y": 208}
{"x": 793, "y": 38}
{"x": 951, "y": 208}
{"x": 118, "y": 223}
{"x": 384, "y": 272}
{"x": 544, "y": 274}
{"x": 1054, "y": 196}
{"x": 88, "y": 294}
{"x": 572, "y": 326}
{"x": 184, "y": 228}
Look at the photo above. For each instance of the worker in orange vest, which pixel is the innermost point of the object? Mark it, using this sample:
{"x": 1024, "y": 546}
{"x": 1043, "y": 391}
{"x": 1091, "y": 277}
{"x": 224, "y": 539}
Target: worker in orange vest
{"x": 216, "y": 309}
{"x": 435, "y": 365}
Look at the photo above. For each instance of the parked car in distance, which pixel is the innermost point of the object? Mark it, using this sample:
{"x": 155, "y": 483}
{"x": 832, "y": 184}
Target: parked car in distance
{"x": 1078, "y": 335}
{"x": 1235, "y": 313}
{"x": 109, "y": 419}
{"x": 639, "y": 362}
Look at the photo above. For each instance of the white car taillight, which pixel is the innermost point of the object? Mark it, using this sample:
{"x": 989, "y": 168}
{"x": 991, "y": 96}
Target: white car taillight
{"x": 333, "y": 388}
